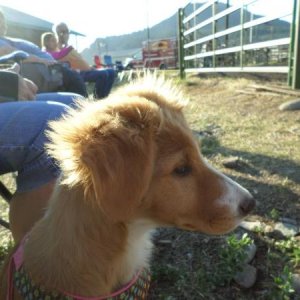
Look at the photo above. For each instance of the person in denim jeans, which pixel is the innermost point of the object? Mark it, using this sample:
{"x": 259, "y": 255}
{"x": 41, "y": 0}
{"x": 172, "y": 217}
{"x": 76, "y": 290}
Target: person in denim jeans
{"x": 22, "y": 146}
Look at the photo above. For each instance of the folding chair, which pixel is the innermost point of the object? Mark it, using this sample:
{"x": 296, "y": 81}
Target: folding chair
{"x": 108, "y": 61}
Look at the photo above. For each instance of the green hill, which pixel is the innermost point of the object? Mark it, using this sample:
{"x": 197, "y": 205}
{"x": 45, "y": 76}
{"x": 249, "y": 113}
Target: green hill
{"x": 127, "y": 45}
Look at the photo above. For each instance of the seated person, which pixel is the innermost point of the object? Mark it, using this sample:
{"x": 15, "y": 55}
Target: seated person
{"x": 67, "y": 54}
{"x": 97, "y": 61}
{"x": 103, "y": 79}
{"x": 72, "y": 82}
{"x": 22, "y": 141}
{"x": 63, "y": 34}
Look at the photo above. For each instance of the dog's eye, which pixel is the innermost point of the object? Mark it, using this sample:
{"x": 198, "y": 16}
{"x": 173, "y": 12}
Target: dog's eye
{"x": 183, "y": 171}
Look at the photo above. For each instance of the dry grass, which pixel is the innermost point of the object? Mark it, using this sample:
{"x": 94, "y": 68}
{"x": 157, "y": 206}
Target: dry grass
{"x": 267, "y": 141}
{"x": 254, "y": 129}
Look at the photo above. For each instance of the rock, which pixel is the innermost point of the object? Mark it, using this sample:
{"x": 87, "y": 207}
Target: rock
{"x": 286, "y": 229}
{"x": 288, "y": 220}
{"x": 268, "y": 229}
{"x": 251, "y": 226}
{"x": 247, "y": 277}
{"x": 296, "y": 283}
{"x": 231, "y": 163}
{"x": 165, "y": 242}
{"x": 189, "y": 255}
{"x": 290, "y": 105}
{"x": 250, "y": 252}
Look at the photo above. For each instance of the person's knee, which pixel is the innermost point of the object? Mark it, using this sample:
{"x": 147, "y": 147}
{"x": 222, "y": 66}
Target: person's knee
{"x": 57, "y": 109}
{"x": 66, "y": 98}
{"x": 34, "y": 166}
{"x": 73, "y": 82}
{"x": 111, "y": 73}
{"x": 27, "y": 208}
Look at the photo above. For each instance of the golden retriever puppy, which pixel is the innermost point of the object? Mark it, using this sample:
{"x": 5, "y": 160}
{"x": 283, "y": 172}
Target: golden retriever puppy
{"x": 129, "y": 164}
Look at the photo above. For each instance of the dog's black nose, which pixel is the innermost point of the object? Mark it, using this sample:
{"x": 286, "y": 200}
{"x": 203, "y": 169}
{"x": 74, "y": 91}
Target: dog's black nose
{"x": 246, "y": 205}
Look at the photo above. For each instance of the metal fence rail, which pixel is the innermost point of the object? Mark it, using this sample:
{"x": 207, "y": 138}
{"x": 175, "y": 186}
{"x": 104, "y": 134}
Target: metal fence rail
{"x": 233, "y": 36}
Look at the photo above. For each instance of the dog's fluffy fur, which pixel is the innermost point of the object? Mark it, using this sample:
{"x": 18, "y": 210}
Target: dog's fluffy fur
{"x": 129, "y": 164}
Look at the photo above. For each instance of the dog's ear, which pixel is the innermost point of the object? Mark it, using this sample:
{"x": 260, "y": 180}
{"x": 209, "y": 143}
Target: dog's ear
{"x": 120, "y": 157}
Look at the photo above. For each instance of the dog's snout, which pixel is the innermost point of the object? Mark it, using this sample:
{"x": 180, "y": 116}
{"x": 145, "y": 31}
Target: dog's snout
{"x": 247, "y": 204}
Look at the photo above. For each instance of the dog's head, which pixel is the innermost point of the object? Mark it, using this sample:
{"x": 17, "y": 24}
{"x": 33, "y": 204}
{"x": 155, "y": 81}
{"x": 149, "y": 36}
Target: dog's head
{"x": 135, "y": 157}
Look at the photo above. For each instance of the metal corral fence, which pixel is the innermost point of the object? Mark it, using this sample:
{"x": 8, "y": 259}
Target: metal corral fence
{"x": 236, "y": 36}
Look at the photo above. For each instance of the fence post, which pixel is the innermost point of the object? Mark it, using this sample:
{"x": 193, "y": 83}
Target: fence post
{"x": 214, "y": 43}
{"x": 296, "y": 48}
{"x": 194, "y": 36}
{"x": 180, "y": 44}
{"x": 291, "y": 46}
{"x": 242, "y": 35}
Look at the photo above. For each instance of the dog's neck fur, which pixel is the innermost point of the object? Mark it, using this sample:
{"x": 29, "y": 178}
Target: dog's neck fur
{"x": 76, "y": 249}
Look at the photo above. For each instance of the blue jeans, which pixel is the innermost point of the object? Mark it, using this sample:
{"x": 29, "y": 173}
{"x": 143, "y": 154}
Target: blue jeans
{"x": 69, "y": 99}
{"x": 73, "y": 82}
{"x": 103, "y": 80}
{"x": 22, "y": 138}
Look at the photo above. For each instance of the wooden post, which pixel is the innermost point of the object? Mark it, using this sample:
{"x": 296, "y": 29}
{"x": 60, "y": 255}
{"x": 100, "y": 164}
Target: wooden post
{"x": 180, "y": 44}
{"x": 242, "y": 37}
{"x": 295, "y": 51}
{"x": 291, "y": 46}
{"x": 214, "y": 42}
{"x": 226, "y": 24}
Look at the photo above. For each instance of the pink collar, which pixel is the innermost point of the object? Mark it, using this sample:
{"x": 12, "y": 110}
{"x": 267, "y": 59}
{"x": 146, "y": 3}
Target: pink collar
{"x": 137, "y": 287}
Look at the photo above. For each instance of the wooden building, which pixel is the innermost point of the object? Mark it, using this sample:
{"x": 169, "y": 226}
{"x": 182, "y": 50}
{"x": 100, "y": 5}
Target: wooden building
{"x": 25, "y": 26}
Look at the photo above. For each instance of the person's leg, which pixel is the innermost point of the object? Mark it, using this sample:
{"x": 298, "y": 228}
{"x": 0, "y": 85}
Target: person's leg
{"x": 22, "y": 140}
{"x": 73, "y": 82}
{"x": 99, "y": 78}
{"x": 111, "y": 74}
{"x": 103, "y": 79}
{"x": 26, "y": 208}
{"x": 69, "y": 99}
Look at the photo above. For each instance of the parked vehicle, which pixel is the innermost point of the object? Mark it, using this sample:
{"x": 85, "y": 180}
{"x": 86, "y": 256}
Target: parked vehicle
{"x": 119, "y": 67}
{"x": 161, "y": 54}
{"x": 135, "y": 62}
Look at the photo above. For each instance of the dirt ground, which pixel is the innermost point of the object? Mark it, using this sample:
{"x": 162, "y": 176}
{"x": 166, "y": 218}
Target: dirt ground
{"x": 238, "y": 122}
{"x": 233, "y": 120}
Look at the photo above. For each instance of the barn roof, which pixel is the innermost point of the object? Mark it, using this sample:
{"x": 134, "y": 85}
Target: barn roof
{"x": 16, "y": 17}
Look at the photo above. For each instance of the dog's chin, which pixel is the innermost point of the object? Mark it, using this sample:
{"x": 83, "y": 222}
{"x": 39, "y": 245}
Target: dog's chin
{"x": 217, "y": 228}
{"x": 213, "y": 227}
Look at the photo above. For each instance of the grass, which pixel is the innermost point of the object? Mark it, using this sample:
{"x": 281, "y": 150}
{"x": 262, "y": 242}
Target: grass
{"x": 228, "y": 123}
{"x": 267, "y": 141}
